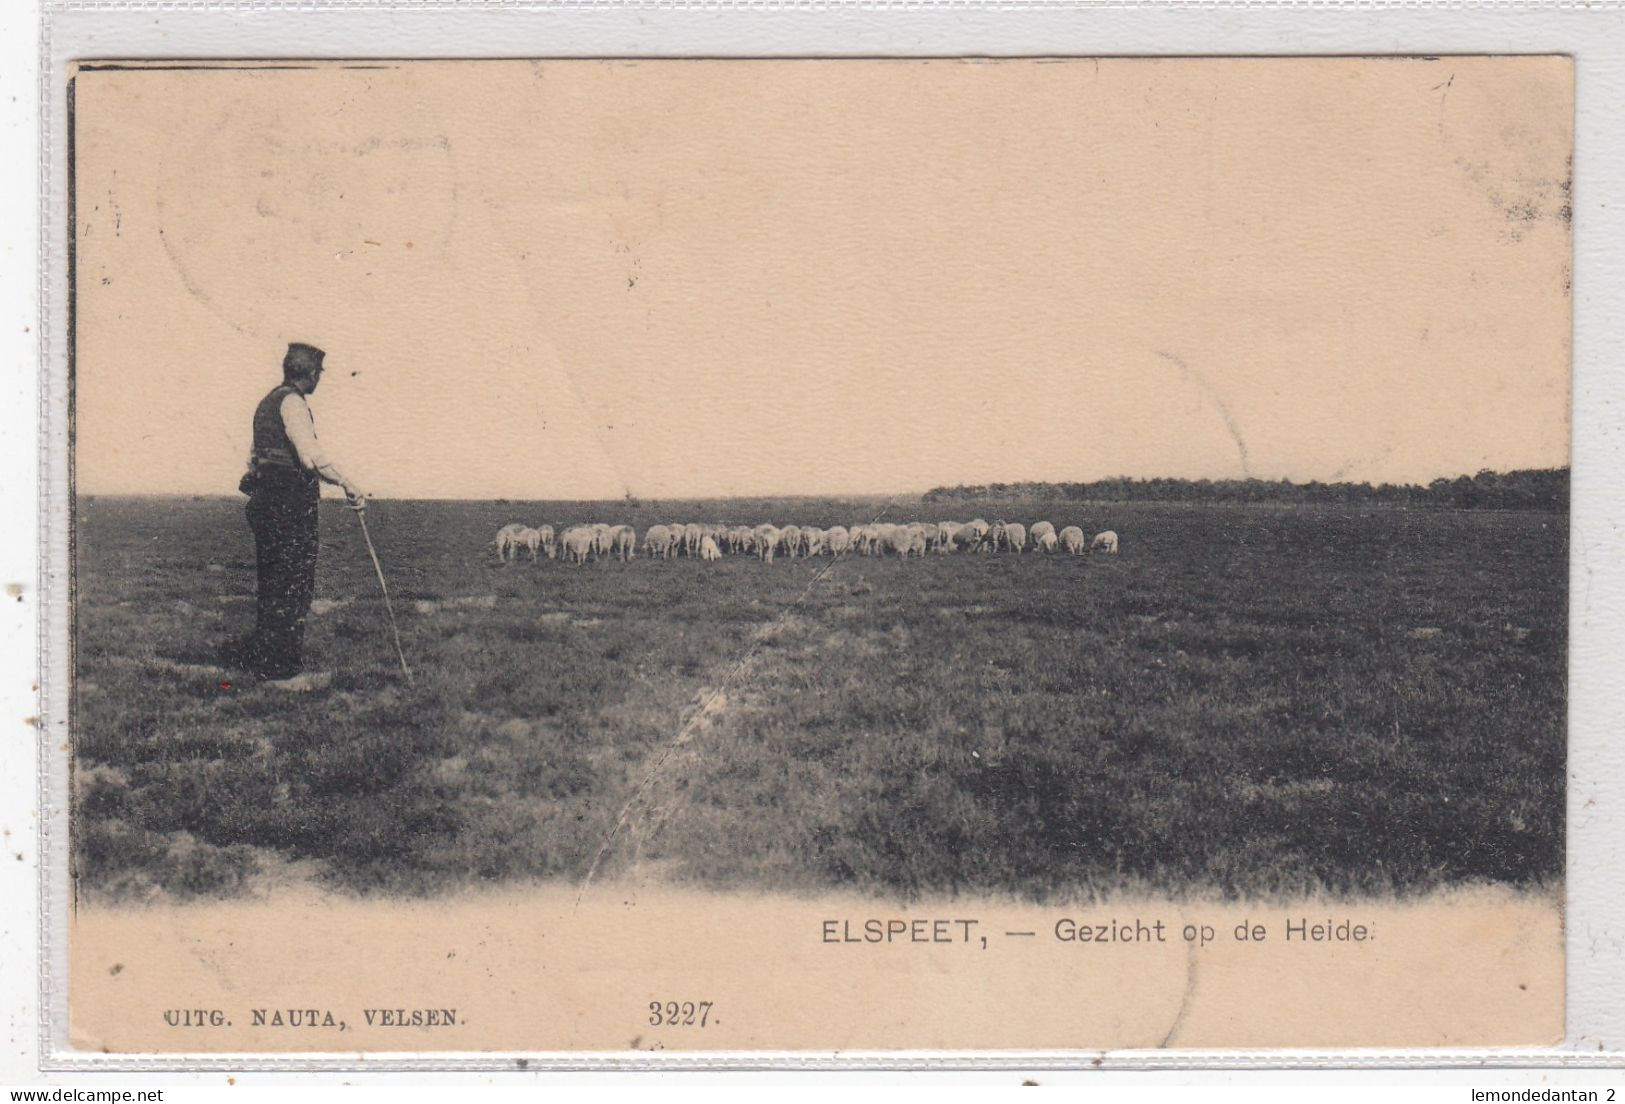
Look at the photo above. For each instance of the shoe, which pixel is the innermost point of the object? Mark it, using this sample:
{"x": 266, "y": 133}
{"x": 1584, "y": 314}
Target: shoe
{"x": 302, "y": 683}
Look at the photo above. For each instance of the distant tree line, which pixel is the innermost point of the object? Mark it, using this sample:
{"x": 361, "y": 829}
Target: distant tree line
{"x": 1538, "y": 489}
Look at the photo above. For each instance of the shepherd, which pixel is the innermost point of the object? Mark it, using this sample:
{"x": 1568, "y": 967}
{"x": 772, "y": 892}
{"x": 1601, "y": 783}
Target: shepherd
{"x": 286, "y": 468}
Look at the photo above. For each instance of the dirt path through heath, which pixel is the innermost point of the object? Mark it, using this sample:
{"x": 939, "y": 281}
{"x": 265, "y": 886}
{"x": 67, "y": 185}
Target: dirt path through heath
{"x": 661, "y": 789}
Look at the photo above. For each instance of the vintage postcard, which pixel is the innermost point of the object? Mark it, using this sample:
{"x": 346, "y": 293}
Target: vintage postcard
{"x": 1049, "y": 554}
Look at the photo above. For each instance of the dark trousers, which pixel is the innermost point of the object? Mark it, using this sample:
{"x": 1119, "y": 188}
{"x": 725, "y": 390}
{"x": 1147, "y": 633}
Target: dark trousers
{"x": 282, "y": 514}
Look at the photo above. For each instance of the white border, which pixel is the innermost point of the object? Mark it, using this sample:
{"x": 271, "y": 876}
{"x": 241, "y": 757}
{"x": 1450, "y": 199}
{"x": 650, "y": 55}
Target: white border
{"x": 20, "y": 263}
{"x": 1594, "y": 34}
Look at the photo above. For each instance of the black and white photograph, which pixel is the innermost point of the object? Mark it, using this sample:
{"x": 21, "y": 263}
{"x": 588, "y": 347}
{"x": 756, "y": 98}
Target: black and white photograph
{"x": 868, "y": 531}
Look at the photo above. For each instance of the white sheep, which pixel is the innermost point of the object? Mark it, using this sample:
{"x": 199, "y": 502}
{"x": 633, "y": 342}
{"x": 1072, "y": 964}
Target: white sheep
{"x": 898, "y": 539}
{"x": 790, "y": 540}
{"x": 579, "y": 542}
{"x": 767, "y": 541}
{"x": 505, "y": 540}
{"x": 658, "y": 541}
{"x": 528, "y": 538}
{"x": 1105, "y": 542}
{"x": 623, "y": 541}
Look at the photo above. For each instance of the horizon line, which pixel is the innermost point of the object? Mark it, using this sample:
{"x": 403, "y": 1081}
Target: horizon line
{"x": 1014, "y": 486}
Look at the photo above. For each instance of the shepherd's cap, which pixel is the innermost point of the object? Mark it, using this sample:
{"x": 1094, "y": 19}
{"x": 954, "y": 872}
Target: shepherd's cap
{"x": 301, "y": 359}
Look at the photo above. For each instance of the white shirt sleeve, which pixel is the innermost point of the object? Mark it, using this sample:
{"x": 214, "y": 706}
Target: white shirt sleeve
{"x": 301, "y": 429}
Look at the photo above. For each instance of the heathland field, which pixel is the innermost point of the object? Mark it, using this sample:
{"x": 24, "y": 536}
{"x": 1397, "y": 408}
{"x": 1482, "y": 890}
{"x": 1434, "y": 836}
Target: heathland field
{"x": 1246, "y": 700}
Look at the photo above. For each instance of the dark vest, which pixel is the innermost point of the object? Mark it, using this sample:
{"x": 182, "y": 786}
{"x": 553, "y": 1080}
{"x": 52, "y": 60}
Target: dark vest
{"x": 271, "y": 445}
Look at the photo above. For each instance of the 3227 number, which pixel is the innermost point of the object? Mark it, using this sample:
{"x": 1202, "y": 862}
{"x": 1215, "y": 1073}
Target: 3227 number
{"x": 679, "y": 1013}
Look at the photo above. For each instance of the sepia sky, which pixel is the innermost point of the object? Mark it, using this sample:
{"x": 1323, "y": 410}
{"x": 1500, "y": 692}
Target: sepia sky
{"x": 581, "y": 279}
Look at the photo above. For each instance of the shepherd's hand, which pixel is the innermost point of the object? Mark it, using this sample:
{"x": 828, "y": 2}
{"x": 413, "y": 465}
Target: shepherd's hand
{"x": 356, "y": 501}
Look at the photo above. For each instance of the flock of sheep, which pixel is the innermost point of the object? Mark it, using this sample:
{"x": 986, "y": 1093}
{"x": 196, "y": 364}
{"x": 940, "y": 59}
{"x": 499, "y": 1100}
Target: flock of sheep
{"x": 579, "y": 543}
